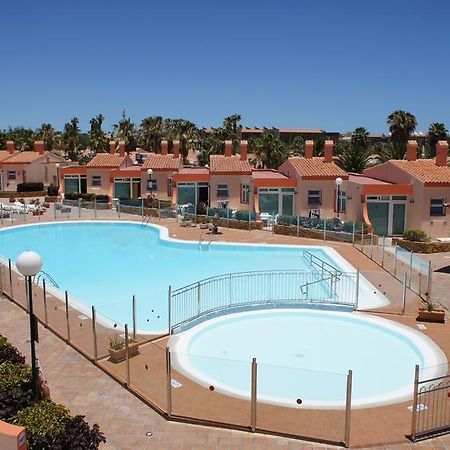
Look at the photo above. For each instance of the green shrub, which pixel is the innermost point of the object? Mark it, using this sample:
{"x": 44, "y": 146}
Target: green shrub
{"x": 13, "y": 400}
{"x": 14, "y": 376}
{"x": 30, "y": 187}
{"x": 9, "y": 353}
{"x": 44, "y": 421}
{"x": 78, "y": 435}
{"x": 415, "y": 235}
{"x": 52, "y": 191}
{"x": 219, "y": 212}
{"x": 243, "y": 214}
{"x": 102, "y": 198}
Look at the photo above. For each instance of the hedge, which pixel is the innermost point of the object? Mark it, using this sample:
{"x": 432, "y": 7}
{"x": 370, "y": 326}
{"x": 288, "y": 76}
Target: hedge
{"x": 30, "y": 187}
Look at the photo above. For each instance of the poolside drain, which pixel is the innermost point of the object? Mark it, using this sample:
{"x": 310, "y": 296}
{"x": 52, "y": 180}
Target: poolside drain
{"x": 149, "y": 434}
{"x": 102, "y": 394}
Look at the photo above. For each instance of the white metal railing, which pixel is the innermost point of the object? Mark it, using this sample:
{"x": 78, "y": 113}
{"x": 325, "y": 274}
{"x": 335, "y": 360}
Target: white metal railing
{"x": 270, "y": 288}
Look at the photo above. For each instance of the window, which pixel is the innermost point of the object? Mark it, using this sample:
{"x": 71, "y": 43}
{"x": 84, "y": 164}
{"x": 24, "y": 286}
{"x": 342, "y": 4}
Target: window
{"x": 169, "y": 187}
{"x": 96, "y": 181}
{"x": 245, "y": 194}
{"x": 342, "y": 201}
{"x": 437, "y": 207}
{"x": 75, "y": 183}
{"x": 222, "y": 190}
{"x": 314, "y": 197}
{"x": 11, "y": 174}
{"x": 152, "y": 185}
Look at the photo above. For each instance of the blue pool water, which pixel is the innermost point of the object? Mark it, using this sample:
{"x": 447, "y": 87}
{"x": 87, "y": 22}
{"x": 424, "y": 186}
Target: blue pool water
{"x": 105, "y": 263}
{"x": 306, "y": 354}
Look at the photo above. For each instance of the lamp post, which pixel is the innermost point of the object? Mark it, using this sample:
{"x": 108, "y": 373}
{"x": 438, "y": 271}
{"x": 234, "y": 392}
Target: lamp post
{"x": 29, "y": 264}
{"x": 338, "y": 182}
{"x": 57, "y": 165}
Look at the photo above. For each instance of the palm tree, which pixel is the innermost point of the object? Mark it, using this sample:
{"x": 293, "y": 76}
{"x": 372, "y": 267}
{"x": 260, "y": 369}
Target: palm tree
{"x": 3, "y": 139}
{"x": 98, "y": 142}
{"x": 401, "y": 126}
{"x": 151, "y": 132}
{"x": 233, "y": 130}
{"x": 360, "y": 138}
{"x": 353, "y": 159}
{"x": 125, "y": 130}
{"x": 184, "y": 131}
{"x": 269, "y": 150}
{"x": 46, "y": 133}
{"x": 297, "y": 147}
{"x": 71, "y": 139}
{"x": 436, "y": 132}
{"x": 23, "y": 138}
{"x": 211, "y": 144}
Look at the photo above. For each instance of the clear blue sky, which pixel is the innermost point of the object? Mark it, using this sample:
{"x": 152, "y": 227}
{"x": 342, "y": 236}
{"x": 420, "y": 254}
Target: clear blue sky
{"x": 333, "y": 64}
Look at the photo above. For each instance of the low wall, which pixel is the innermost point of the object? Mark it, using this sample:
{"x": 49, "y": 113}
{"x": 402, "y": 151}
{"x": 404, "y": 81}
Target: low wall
{"x": 289, "y": 230}
{"x": 87, "y": 205}
{"x": 423, "y": 247}
{"x": 5, "y": 194}
{"x": 226, "y": 223}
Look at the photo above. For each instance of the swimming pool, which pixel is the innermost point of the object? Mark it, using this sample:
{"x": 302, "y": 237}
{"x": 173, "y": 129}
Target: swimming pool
{"x": 305, "y": 354}
{"x": 105, "y": 263}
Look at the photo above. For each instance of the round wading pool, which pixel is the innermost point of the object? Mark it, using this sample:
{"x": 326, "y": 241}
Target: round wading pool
{"x": 303, "y": 357}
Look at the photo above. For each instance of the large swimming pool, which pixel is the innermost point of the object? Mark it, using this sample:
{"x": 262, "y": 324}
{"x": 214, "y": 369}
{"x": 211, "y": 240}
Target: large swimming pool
{"x": 305, "y": 355}
{"x": 105, "y": 263}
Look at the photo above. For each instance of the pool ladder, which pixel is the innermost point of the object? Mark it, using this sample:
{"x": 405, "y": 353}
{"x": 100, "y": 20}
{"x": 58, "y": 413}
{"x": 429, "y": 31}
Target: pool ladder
{"x": 200, "y": 241}
{"x": 41, "y": 275}
{"x": 146, "y": 220}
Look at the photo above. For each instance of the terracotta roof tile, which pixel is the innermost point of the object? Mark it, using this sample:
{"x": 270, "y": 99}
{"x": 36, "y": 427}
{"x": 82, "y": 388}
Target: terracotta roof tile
{"x": 424, "y": 170}
{"x": 316, "y": 168}
{"x": 156, "y": 161}
{"x": 4, "y": 154}
{"x": 229, "y": 164}
{"x": 22, "y": 157}
{"x": 106, "y": 160}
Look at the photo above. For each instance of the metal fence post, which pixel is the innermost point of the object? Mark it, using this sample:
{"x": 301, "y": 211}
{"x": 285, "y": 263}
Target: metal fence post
{"x": 357, "y": 290}
{"x": 79, "y": 207}
{"x": 371, "y": 246}
{"x": 254, "y": 394}
{"x": 169, "y": 308}
{"x": 230, "y": 287}
{"x": 382, "y": 251}
{"x": 395, "y": 260}
{"x": 142, "y": 208}
{"x": 169, "y": 382}
{"x": 414, "y": 407}
{"x": 118, "y": 207}
{"x": 67, "y": 315}
{"x": 25, "y": 212}
{"x": 127, "y": 355}
{"x": 353, "y": 233}
{"x": 159, "y": 209}
{"x": 10, "y": 278}
{"x": 1, "y": 212}
{"x": 362, "y": 238}
{"x": 405, "y": 278}
{"x": 1, "y": 278}
{"x": 348, "y": 410}
{"x": 324, "y": 229}
{"x": 134, "y": 316}
{"x": 228, "y": 218}
{"x": 411, "y": 259}
{"x": 94, "y": 334}
{"x": 430, "y": 280}
{"x": 54, "y": 210}
{"x": 249, "y": 223}
{"x": 298, "y": 226}
{"x": 198, "y": 299}
{"x": 95, "y": 207}
{"x": 44, "y": 291}
{"x": 420, "y": 284}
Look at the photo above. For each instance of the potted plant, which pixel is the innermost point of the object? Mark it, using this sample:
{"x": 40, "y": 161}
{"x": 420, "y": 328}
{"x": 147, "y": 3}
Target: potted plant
{"x": 431, "y": 313}
{"x": 118, "y": 351}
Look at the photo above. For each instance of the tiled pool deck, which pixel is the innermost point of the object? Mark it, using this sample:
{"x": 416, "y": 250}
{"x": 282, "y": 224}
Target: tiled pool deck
{"x": 125, "y": 420}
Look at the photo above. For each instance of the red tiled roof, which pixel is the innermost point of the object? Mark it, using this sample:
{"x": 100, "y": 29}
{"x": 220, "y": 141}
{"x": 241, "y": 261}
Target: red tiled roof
{"x": 220, "y": 164}
{"x": 424, "y": 170}
{"x": 4, "y": 154}
{"x": 361, "y": 179}
{"x": 106, "y": 160}
{"x": 316, "y": 168}
{"x": 22, "y": 157}
{"x": 156, "y": 161}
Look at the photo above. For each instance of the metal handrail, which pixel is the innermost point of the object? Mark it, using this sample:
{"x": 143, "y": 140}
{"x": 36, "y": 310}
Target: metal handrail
{"x": 322, "y": 264}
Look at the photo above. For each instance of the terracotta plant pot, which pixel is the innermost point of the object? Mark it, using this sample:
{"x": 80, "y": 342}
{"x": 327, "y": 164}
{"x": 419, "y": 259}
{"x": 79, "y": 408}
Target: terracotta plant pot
{"x": 116, "y": 356}
{"x": 436, "y": 315}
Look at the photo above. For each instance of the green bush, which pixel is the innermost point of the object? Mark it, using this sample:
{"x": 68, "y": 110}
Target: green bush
{"x": 13, "y": 400}
{"x": 9, "y": 353}
{"x": 415, "y": 235}
{"x": 52, "y": 191}
{"x": 30, "y": 187}
{"x": 44, "y": 421}
{"x": 243, "y": 214}
{"x": 14, "y": 376}
{"x": 78, "y": 435}
{"x": 102, "y": 198}
{"x": 219, "y": 212}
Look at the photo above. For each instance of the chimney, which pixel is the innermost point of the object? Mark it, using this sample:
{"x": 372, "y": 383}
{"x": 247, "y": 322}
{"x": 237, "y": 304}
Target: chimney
{"x": 10, "y": 147}
{"x": 112, "y": 148}
{"x": 411, "y": 151}
{"x": 309, "y": 149}
{"x": 441, "y": 153}
{"x": 328, "y": 154}
{"x": 39, "y": 146}
{"x": 244, "y": 150}
{"x": 121, "y": 148}
{"x": 228, "y": 148}
{"x": 164, "y": 147}
{"x": 176, "y": 149}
